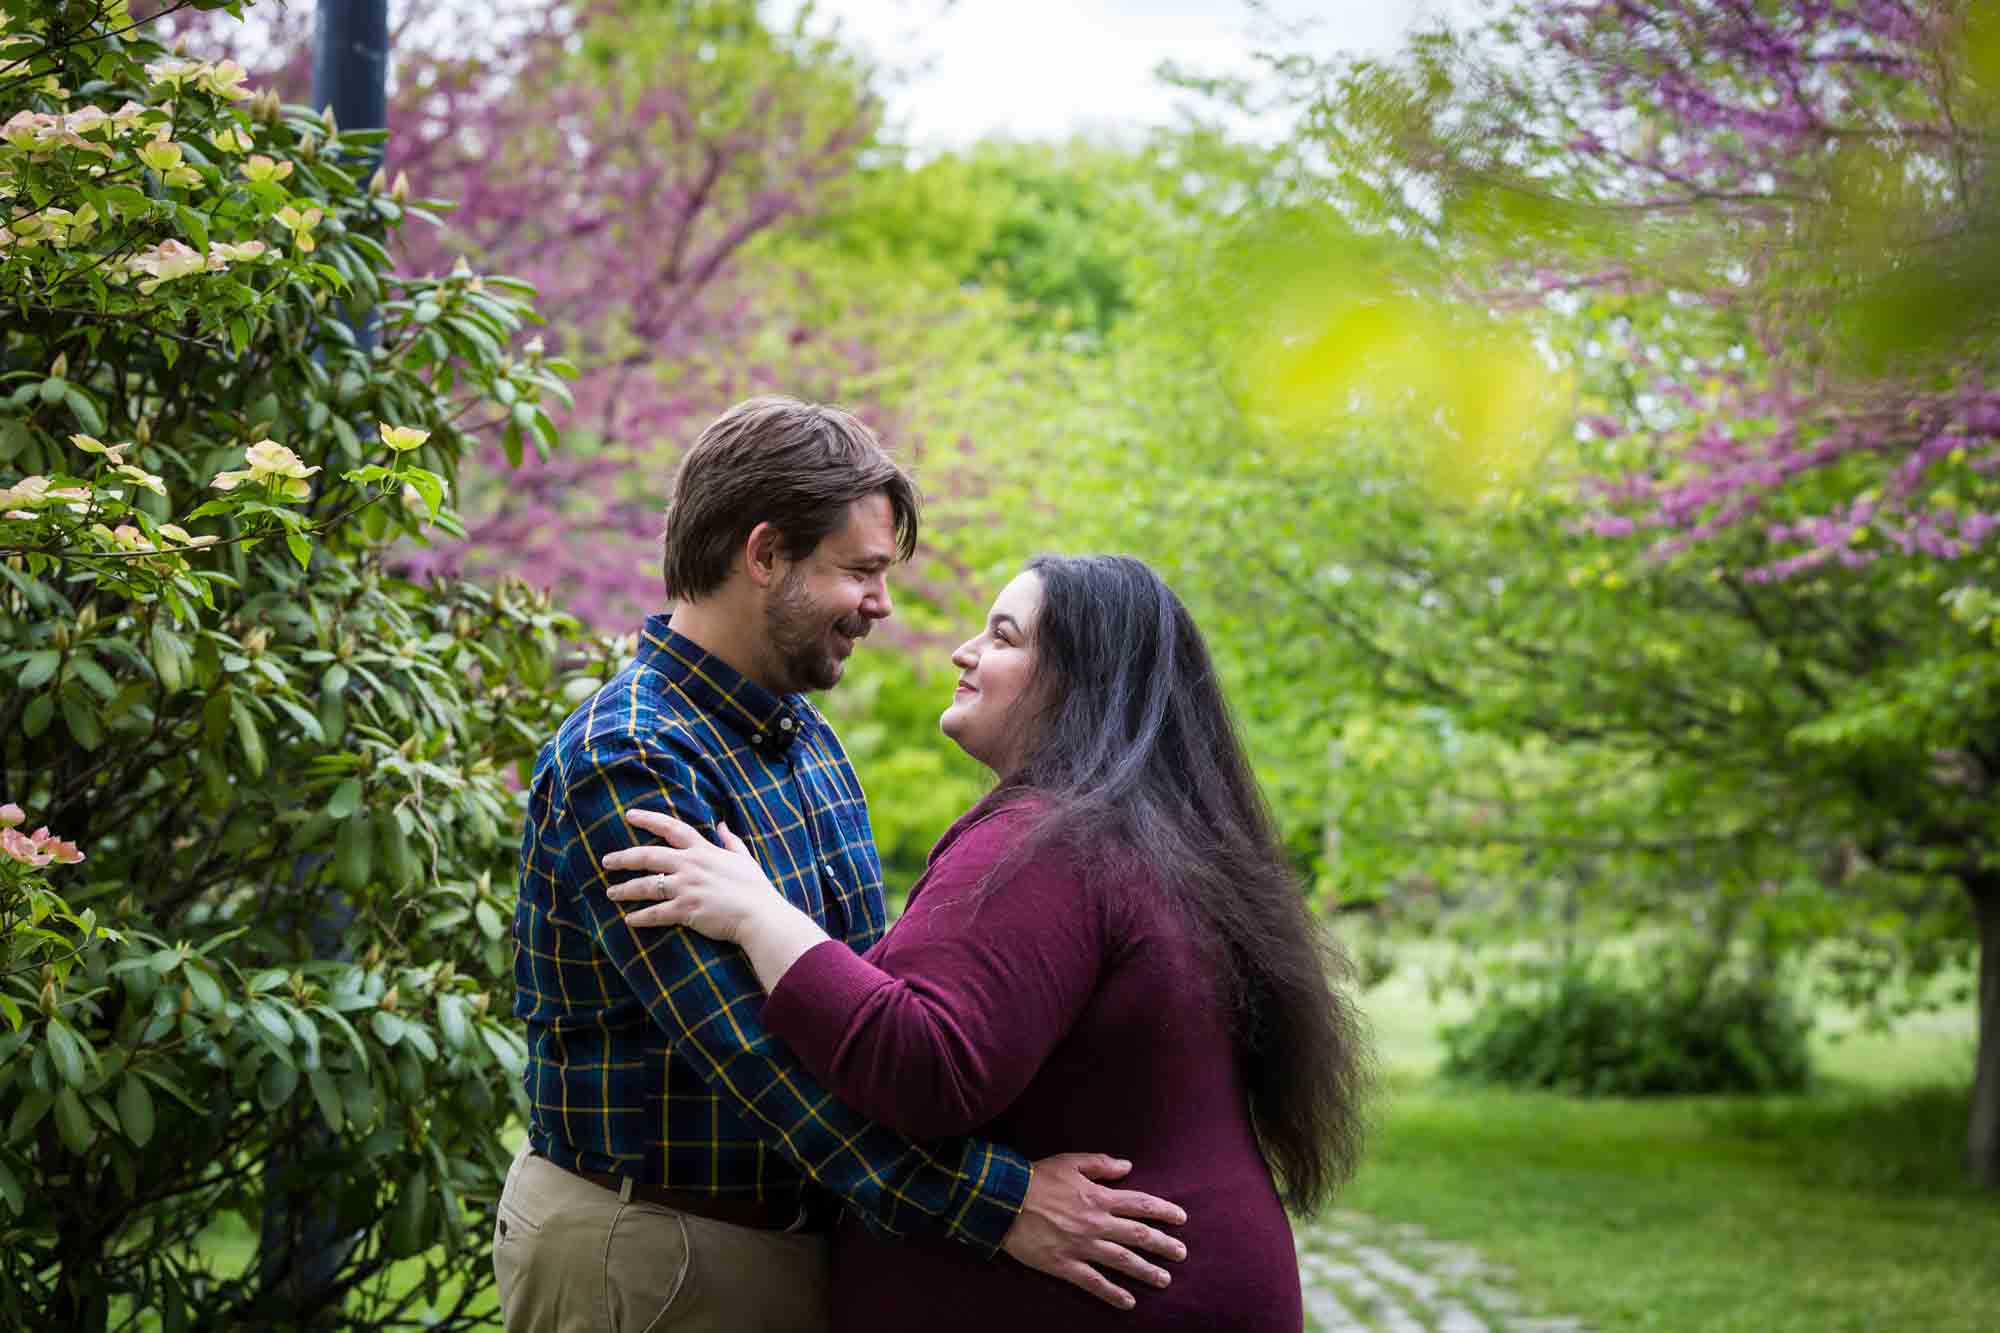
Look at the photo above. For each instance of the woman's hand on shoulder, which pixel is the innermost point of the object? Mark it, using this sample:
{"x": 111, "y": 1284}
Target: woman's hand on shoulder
{"x": 716, "y": 890}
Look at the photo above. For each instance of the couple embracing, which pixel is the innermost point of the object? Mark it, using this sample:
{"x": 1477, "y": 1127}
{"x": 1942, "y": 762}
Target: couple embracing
{"x": 1073, "y": 1087}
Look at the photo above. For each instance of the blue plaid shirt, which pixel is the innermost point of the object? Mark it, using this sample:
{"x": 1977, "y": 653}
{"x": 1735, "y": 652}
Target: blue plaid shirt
{"x": 647, "y": 1055}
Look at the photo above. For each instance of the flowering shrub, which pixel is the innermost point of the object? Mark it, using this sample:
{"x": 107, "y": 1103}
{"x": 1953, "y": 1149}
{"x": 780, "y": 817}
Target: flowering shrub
{"x": 35, "y": 924}
{"x": 286, "y": 780}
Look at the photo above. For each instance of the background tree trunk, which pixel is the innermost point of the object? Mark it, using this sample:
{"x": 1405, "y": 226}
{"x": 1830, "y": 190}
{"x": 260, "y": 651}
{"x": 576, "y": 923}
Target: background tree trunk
{"x": 1982, "y": 1147}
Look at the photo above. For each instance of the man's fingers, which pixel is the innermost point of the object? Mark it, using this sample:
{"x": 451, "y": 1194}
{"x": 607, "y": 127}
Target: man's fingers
{"x": 1139, "y": 1236}
{"x": 1146, "y": 1207}
{"x": 1105, "y": 1254}
{"x": 1099, "y": 1167}
{"x": 1094, "y": 1282}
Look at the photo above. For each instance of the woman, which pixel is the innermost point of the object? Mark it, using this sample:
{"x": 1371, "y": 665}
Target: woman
{"x": 1109, "y": 948}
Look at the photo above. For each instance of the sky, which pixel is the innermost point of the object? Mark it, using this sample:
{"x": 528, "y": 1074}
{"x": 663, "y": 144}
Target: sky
{"x": 1049, "y": 68}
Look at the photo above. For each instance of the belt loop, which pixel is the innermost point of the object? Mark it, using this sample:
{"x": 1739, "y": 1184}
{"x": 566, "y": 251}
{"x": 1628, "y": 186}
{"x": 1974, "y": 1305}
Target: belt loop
{"x": 625, "y": 1190}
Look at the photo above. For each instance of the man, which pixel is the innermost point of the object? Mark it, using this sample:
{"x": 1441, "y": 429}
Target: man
{"x": 680, "y": 1164}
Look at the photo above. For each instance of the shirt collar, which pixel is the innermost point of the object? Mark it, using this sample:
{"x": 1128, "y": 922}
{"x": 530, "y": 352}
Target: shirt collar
{"x": 770, "y": 722}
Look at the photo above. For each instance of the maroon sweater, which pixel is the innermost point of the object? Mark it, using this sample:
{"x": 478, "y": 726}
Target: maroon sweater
{"x": 1053, "y": 1016}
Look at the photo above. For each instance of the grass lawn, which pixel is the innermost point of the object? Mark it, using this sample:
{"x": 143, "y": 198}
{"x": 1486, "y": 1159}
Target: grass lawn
{"x": 1840, "y": 1210}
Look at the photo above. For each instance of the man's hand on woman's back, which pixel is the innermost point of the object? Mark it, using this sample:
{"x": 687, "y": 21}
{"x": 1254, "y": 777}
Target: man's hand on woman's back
{"x": 1070, "y": 1225}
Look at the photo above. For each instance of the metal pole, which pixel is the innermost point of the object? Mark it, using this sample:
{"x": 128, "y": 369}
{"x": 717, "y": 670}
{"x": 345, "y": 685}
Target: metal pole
{"x": 351, "y": 62}
{"x": 301, "y": 1248}
{"x": 351, "y": 75}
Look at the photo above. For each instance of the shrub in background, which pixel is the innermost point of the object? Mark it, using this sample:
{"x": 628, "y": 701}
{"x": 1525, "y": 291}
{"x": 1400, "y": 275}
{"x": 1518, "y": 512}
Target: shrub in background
{"x": 275, "y": 975}
{"x": 1594, "y": 1031}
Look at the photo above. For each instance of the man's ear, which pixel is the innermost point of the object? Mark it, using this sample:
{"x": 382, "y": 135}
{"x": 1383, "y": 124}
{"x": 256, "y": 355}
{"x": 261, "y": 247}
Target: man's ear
{"x": 764, "y": 555}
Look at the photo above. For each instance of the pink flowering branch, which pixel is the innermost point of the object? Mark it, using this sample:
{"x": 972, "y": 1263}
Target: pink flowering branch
{"x": 1791, "y": 163}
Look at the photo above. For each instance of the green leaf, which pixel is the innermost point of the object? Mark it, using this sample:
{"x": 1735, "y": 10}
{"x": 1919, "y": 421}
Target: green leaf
{"x": 85, "y": 411}
{"x": 35, "y": 718}
{"x": 247, "y": 735}
{"x": 308, "y": 723}
{"x": 511, "y": 1059}
{"x": 354, "y": 853}
{"x": 488, "y": 917}
{"x": 268, "y": 1018}
{"x": 135, "y": 1110}
{"x": 346, "y": 799}
{"x": 357, "y": 1094}
{"x": 207, "y": 993}
{"x": 453, "y": 1021}
{"x": 193, "y": 224}
{"x": 38, "y": 669}
{"x": 428, "y": 485}
{"x": 71, "y": 1054}
{"x": 93, "y": 675}
{"x": 394, "y": 854}
{"x": 73, "y": 1122}
{"x": 389, "y": 1029}
{"x": 276, "y": 1085}
{"x": 327, "y": 1095}
{"x": 414, "y": 1034}
{"x": 169, "y": 657}
{"x": 307, "y": 1032}
{"x": 35, "y": 1104}
{"x": 106, "y": 1116}
{"x": 10, "y": 1191}
{"x": 300, "y": 548}
{"x": 407, "y": 1233}
{"x": 82, "y": 721}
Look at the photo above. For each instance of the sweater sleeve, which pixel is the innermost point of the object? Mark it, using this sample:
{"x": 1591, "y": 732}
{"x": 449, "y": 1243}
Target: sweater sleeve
{"x": 942, "y": 1025}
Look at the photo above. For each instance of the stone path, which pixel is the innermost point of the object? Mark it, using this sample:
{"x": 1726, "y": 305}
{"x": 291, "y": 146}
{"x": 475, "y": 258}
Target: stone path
{"x": 1362, "y": 1275}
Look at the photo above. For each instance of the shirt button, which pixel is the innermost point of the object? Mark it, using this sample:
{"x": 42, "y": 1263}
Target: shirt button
{"x": 829, "y": 871}
{"x": 784, "y": 724}
{"x": 757, "y": 739}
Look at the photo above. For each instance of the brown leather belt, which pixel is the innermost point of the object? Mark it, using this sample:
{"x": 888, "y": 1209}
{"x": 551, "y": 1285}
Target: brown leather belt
{"x": 763, "y": 1215}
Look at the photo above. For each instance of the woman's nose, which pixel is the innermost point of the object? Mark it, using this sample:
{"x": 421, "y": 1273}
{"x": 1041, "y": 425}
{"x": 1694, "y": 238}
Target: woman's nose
{"x": 962, "y": 656}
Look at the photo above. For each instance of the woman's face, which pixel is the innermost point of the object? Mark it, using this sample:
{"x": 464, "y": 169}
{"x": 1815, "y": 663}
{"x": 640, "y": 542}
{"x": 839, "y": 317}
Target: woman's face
{"x": 988, "y": 713}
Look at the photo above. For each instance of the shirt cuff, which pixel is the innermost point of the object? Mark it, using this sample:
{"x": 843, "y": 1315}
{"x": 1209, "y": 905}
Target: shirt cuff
{"x": 996, "y": 1187}
{"x": 816, "y": 1001}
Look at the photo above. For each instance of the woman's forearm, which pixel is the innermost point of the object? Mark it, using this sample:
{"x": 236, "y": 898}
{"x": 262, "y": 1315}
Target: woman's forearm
{"x": 775, "y": 937}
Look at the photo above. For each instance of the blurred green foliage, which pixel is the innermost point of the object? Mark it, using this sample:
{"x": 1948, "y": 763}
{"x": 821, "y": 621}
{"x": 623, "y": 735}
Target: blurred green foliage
{"x": 1666, "y": 1028}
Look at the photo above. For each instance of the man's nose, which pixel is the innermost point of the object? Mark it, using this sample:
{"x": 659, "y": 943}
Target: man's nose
{"x": 875, "y": 604}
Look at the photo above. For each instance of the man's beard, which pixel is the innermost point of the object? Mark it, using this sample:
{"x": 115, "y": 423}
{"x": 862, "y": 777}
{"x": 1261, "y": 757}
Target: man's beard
{"x": 797, "y": 628}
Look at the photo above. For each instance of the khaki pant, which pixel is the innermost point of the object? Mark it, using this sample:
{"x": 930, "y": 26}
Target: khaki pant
{"x": 572, "y": 1258}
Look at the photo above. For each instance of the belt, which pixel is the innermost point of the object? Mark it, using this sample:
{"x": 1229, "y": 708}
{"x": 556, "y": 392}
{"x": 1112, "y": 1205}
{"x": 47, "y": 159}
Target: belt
{"x": 763, "y": 1215}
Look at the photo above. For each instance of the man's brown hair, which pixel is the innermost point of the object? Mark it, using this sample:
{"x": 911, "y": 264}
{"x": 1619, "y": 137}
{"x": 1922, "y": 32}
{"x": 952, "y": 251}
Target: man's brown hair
{"x": 797, "y": 466}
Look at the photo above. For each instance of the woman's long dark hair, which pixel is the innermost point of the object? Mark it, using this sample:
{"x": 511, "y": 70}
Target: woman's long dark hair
{"x": 1137, "y": 765}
